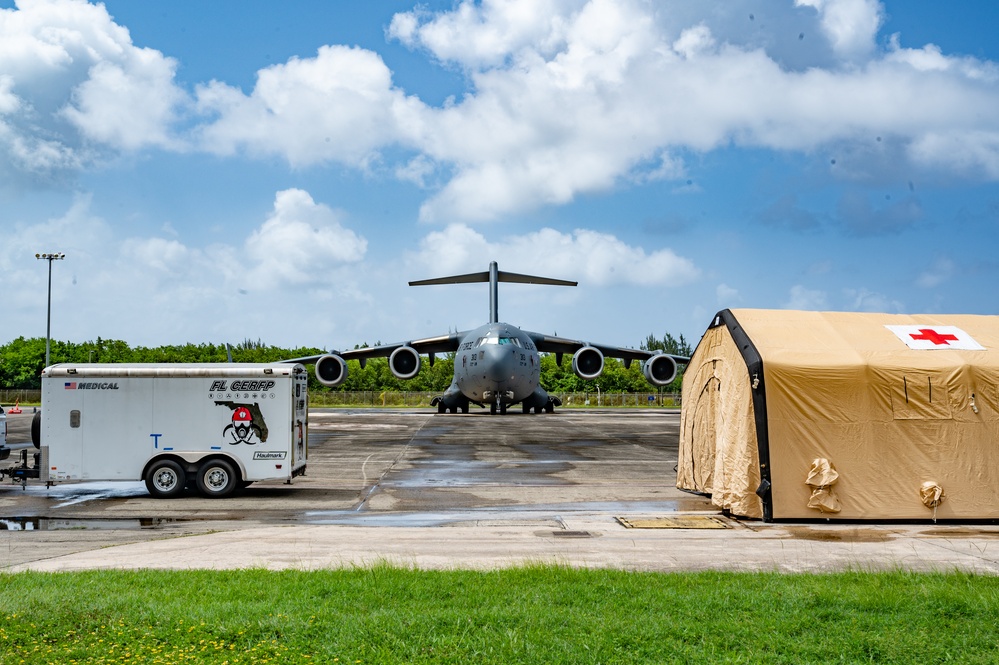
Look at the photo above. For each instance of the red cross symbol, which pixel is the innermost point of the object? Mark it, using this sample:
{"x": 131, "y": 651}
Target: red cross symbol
{"x": 931, "y": 335}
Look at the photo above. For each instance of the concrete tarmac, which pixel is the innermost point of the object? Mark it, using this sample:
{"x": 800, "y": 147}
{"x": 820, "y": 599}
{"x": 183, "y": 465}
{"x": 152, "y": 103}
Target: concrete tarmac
{"x": 413, "y": 488}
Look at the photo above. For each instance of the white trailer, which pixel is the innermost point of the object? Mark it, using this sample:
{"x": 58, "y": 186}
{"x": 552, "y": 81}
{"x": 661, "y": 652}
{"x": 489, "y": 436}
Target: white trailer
{"x": 214, "y": 427}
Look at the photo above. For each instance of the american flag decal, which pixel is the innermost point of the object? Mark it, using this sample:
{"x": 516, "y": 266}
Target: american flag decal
{"x": 70, "y": 385}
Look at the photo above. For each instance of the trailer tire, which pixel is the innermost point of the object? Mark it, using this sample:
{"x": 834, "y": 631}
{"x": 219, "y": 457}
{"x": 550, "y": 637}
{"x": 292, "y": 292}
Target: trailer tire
{"x": 217, "y": 478}
{"x": 36, "y": 429}
{"x": 165, "y": 479}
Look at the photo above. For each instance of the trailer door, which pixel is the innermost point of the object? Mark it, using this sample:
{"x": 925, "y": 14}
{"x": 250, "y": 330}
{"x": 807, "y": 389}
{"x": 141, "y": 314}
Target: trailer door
{"x": 300, "y": 424}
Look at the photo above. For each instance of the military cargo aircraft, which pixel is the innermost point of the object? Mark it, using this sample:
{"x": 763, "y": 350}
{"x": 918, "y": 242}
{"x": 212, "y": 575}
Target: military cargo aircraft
{"x": 497, "y": 363}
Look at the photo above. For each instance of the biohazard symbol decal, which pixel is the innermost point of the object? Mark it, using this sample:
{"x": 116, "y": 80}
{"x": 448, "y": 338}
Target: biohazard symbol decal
{"x": 247, "y": 424}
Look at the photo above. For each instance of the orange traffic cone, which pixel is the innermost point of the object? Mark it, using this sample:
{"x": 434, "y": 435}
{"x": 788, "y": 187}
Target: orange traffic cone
{"x": 16, "y": 408}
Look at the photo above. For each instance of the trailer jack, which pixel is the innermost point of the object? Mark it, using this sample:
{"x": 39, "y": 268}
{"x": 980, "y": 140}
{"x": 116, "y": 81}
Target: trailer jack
{"x": 22, "y": 472}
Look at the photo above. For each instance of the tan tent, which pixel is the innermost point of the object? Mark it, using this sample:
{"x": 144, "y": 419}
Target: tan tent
{"x": 841, "y": 415}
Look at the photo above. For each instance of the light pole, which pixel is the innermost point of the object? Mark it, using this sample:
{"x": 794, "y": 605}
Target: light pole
{"x": 48, "y": 321}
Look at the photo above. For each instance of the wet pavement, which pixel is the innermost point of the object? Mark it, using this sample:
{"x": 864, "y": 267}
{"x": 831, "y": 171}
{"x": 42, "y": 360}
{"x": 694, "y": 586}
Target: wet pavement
{"x": 420, "y": 489}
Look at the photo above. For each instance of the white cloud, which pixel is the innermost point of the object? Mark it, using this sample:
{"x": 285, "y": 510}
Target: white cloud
{"x": 693, "y": 41}
{"x": 565, "y": 97}
{"x": 850, "y": 25}
{"x": 726, "y": 295}
{"x": 297, "y": 244}
{"x": 941, "y": 271}
{"x": 970, "y": 153}
{"x": 127, "y": 108}
{"x": 416, "y": 171}
{"x": 864, "y": 300}
{"x": 593, "y": 258}
{"x": 644, "y": 85}
{"x": 73, "y": 85}
{"x": 161, "y": 290}
{"x": 338, "y": 106}
{"x": 487, "y": 34}
{"x": 807, "y": 299}
{"x": 669, "y": 167}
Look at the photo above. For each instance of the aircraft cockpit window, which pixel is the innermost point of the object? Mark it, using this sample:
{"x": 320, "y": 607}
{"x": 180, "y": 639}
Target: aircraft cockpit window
{"x": 496, "y": 339}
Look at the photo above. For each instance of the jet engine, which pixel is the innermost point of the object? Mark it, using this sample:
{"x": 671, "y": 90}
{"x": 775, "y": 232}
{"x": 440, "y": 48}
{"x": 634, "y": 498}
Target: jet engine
{"x": 659, "y": 370}
{"x": 405, "y": 362}
{"x": 588, "y": 363}
{"x": 331, "y": 370}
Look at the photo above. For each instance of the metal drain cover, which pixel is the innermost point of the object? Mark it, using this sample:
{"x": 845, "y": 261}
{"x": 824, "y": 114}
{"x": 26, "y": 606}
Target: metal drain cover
{"x": 677, "y": 522}
{"x": 572, "y": 534}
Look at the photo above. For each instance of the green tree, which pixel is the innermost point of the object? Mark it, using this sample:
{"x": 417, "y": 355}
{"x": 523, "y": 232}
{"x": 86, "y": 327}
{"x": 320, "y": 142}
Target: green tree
{"x": 21, "y": 363}
{"x": 22, "y": 360}
{"x": 668, "y": 344}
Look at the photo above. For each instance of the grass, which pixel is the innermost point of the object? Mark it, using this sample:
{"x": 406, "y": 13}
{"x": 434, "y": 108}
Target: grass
{"x": 529, "y": 615}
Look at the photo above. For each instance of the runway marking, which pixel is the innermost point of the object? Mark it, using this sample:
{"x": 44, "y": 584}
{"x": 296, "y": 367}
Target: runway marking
{"x": 367, "y": 495}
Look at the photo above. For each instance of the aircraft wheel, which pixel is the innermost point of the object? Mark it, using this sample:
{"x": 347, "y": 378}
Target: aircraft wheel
{"x": 452, "y": 409}
{"x": 526, "y": 408}
{"x": 550, "y": 407}
{"x": 441, "y": 407}
{"x": 464, "y": 407}
{"x": 539, "y": 409}
{"x": 502, "y": 408}
{"x": 492, "y": 408}
{"x": 217, "y": 478}
{"x": 165, "y": 479}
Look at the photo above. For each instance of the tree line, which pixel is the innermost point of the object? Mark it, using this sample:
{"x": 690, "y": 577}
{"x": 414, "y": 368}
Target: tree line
{"x": 22, "y": 360}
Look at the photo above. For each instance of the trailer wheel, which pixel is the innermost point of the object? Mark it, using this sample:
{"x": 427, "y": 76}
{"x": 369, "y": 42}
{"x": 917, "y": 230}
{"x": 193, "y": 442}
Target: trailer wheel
{"x": 217, "y": 478}
{"x": 165, "y": 479}
{"x": 36, "y": 429}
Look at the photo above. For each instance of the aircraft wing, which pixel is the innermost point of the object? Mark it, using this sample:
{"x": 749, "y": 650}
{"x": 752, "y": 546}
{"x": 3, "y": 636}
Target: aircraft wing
{"x": 428, "y": 345}
{"x": 562, "y": 345}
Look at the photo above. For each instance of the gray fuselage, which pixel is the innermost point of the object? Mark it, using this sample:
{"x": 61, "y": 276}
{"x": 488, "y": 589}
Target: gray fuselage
{"x": 498, "y": 364}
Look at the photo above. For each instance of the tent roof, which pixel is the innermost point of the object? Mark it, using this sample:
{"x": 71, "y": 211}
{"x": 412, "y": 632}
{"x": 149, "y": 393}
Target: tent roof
{"x": 856, "y": 338}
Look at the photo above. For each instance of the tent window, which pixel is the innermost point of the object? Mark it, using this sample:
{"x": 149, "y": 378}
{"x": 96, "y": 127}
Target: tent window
{"x": 920, "y": 397}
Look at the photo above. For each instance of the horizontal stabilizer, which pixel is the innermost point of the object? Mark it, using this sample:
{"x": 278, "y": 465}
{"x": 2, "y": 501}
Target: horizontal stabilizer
{"x": 531, "y": 279}
{"x": 494, "y": 275}
{"x": 502, "y": 276}
{"x": 455, "y": 279}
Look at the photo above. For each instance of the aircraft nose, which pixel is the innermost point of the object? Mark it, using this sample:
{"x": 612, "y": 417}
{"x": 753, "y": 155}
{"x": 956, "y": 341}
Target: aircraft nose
{"x": 499, "y": 365}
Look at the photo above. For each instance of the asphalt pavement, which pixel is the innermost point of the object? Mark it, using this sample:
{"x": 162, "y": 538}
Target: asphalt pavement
{"x": 590, "y": 488}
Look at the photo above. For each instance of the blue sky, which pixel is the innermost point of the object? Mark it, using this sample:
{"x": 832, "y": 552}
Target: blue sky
{"x": 278, "y": 171}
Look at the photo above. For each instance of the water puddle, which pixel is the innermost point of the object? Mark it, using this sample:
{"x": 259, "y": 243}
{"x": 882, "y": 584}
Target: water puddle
{"x": 507, "y": 515}
{"x": 84, "y": 524}
{"x": 72, "y": 493}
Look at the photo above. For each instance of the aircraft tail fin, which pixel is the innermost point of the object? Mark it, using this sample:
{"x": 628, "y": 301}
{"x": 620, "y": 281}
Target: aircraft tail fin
{"x": 494, "y": 275}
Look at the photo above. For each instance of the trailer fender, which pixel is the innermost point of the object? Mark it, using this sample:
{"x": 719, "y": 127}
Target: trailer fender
{"x": 192, "y": 461}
